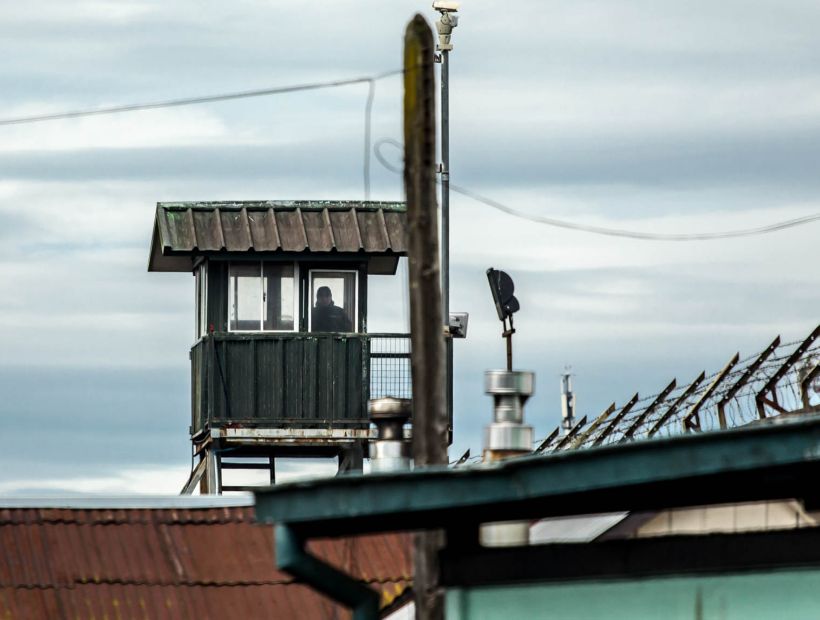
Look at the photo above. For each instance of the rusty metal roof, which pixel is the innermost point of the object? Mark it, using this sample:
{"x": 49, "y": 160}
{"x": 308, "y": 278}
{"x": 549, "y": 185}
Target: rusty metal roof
{"x": 186, "y": 229}
{"x": 172, "y": 563}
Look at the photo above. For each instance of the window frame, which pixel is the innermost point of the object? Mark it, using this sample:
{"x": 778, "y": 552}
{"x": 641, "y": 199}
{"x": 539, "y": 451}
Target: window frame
{"x": 355, "y": 318}
{"x": 263, "y": 297}
{"x": 201, "y": 300}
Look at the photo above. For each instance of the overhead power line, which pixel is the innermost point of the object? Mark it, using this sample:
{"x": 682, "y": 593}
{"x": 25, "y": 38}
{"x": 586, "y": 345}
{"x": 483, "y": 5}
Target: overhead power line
{"x": 603, "y": 230}
{"x": 171, "y": 103}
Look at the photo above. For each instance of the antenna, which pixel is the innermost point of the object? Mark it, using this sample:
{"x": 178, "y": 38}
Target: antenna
{"x": 567, "y": 401}
{"x": 506, "y": 304}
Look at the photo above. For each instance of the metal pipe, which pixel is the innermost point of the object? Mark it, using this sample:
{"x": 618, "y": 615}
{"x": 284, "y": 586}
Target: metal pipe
{"x": 445, "y": 224}
{"x": 507, "y": 436}
{"x": 389, "y": 451}
{"x": 293, "y": 558}
{"x": 445, "y": 185}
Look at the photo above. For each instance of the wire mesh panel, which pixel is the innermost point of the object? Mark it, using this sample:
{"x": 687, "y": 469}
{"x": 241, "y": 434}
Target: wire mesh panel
{"x": 390, "y": 366}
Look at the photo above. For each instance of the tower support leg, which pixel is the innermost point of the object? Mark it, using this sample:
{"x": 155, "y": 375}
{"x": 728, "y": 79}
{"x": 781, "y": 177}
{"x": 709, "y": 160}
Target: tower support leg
{"x": 351, "y": 458}
{"x": 209, "y": 485}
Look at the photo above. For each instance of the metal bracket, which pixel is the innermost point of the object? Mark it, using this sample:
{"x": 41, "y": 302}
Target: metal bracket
{"x": 750, "y": 370}
{"x": 680, "y": 400}
{"x": 593, "y": 427}
{"x": 806, "y": 382}
{"x": 692, "y": 420}
{"x": 570, "y": 435}
{"x": 614, "y": 422}
{"x": 646, "y": 412}
{"x": 771, "y": 384}
{"x": 549, "y": 439}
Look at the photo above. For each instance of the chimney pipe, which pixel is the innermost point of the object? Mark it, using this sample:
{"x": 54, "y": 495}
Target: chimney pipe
{"x": 389, "y": 451}
{"x": 507, "y": 436}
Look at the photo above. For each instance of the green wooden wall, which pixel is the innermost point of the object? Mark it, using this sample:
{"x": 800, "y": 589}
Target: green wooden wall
{"x": 774, "y": 595}
{"x": 280, "y": 380}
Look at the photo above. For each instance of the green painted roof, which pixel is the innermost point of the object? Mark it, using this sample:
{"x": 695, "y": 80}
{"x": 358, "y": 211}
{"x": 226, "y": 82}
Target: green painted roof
{"x": 767, "y": 461}
{"x": 186, "y": 229}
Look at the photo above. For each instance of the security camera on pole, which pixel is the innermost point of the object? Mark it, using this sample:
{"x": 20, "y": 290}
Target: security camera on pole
{"x": 444, "y": 26}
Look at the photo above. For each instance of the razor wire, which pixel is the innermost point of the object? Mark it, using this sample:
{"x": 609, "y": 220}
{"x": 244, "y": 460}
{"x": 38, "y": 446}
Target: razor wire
{"x": 738, "y": 410}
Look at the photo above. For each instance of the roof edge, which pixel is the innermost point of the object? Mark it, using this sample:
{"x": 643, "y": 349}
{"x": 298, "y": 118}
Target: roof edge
{"x": 388, "y": 205}
{"x": 104, "y": 502}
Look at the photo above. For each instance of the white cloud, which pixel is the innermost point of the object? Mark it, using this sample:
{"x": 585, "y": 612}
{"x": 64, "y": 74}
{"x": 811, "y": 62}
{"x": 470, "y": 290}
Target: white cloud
{"x": 164, "y": 480}
{"x": 157, "y": 480}
{"x": 150, "y": 128}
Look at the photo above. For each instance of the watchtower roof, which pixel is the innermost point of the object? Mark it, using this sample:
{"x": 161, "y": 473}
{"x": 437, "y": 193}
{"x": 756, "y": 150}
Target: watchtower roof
{"x": 187, "y": 229}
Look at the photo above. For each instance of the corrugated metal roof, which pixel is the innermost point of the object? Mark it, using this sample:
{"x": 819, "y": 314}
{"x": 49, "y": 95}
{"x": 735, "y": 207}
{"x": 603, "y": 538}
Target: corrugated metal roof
{"x": 581, "y": 528}
{"x": 109, "y": 502}
{"x": 172, "y": 563}
{"x": 184, "y": 229}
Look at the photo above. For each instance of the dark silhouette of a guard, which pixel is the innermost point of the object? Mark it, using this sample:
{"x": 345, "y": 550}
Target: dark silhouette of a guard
{"x": 328, "y": 317}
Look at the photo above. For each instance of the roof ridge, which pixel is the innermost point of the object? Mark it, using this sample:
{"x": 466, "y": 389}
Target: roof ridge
{"x": 375, "y": 205}
{"x": 84, "y": 517}
{"x": 127, "y": 502}
{"x": 191, "y": 583}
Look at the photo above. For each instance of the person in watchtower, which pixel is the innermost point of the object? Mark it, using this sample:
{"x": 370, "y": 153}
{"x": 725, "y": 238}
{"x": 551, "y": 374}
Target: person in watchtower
{"x": 327, "y": 317}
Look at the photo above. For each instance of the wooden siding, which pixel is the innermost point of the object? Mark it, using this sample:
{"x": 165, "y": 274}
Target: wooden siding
{"x": 280, "y": 380}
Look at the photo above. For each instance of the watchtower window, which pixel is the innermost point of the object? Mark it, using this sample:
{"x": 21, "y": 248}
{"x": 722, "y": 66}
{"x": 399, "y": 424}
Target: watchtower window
{"x": 201, "y": 274}
{"x": 261, "y": 296}
{"x": 333, "y": 301}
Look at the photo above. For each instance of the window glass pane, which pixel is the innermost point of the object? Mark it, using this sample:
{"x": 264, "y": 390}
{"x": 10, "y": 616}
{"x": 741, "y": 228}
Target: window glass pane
{"x": 279, "y": 287}
{"x": 333, "y": 301}
{"x": 201, "y": 300}
{"x": 245, "y": 296}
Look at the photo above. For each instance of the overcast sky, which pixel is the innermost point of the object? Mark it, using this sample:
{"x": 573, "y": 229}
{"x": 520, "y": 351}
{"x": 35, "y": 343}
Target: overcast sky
{"x": 653, "y": 116}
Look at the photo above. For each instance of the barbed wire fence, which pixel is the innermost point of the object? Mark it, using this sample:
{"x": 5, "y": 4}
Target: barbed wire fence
{"x": 783, "y": 378}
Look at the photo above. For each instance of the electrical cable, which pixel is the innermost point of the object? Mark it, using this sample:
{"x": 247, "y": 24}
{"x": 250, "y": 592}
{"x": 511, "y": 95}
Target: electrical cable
{"x": 264, "y": 92}
{"x": 602, "y": 230}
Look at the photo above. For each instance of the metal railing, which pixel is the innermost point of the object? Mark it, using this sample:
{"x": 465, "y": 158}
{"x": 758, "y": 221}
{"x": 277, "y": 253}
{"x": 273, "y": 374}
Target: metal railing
{"x": 390, "y": 366}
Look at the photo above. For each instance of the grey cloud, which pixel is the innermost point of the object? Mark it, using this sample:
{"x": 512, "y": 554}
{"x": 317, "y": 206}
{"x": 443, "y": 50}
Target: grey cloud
{"x": 336, "y": 162}
{"x": 754, "y": 158}
{"x": 69, "y": 420}
{"x": 91, "y": 421}
{"x": 777, "y": 162}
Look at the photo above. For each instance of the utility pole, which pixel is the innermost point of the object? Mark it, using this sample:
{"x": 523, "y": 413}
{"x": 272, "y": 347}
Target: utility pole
{"x": 427, "y": 347}
{"x": 444, "y": 26}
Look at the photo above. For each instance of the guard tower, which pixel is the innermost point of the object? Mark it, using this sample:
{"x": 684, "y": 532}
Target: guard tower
{"x": 282, "y": 364}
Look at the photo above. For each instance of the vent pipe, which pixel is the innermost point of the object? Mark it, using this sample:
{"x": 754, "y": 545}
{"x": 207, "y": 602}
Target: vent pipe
{"x": 389, "y": 451}
{"x": 507, "y": 437}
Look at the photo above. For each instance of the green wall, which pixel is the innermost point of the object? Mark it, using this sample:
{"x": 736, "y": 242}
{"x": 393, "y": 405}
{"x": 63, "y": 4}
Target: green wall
{"x": 777, "y": 595}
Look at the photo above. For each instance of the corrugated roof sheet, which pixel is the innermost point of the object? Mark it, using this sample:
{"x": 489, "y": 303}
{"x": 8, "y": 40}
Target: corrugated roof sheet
{"x": 188, "y": 228}
{"x": 169, "y": 563}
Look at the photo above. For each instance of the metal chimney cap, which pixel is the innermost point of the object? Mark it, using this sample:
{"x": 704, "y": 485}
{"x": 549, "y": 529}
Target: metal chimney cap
{"x": 521, "y": 382}
{"x": 390, "y": 408}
